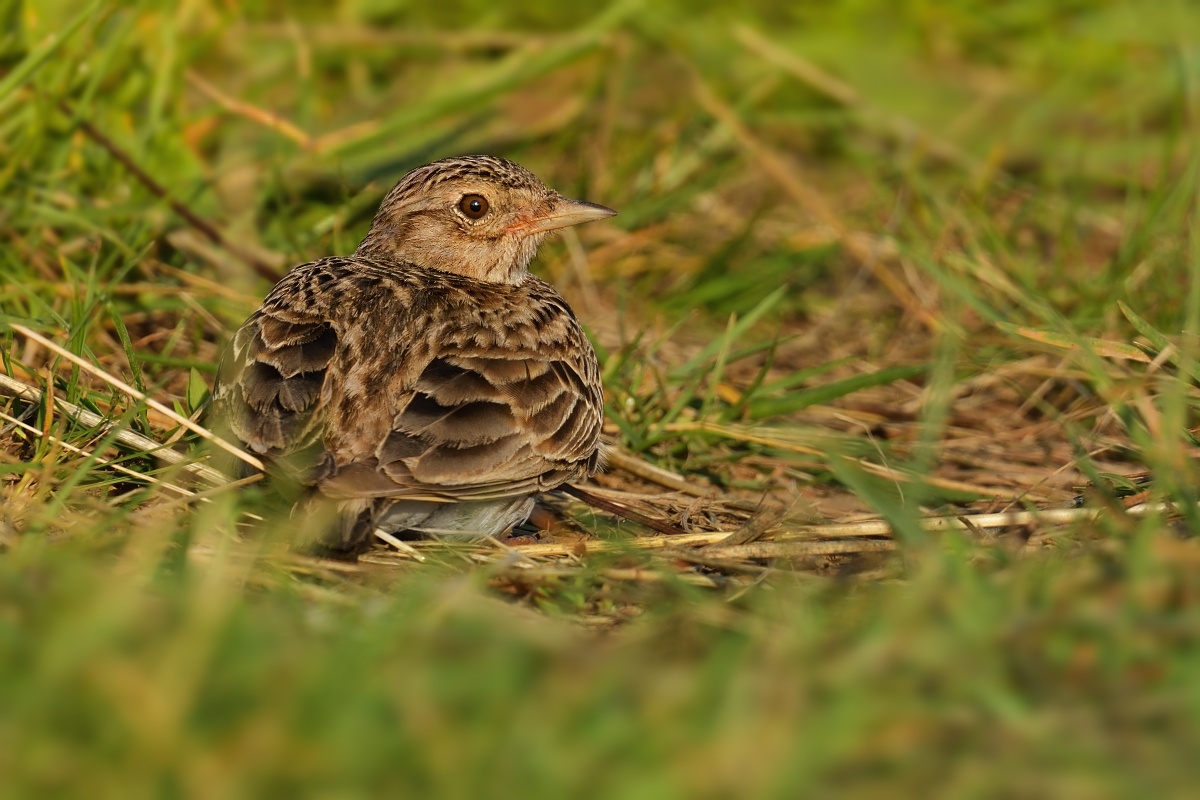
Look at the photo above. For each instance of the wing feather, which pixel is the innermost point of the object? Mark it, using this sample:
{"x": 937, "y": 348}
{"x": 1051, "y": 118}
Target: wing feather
{"x": 384, "y": 369}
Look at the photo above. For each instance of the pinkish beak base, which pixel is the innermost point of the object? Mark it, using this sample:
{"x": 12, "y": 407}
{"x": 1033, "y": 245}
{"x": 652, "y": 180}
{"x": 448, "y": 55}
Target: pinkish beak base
{"x": 565, "y": 214}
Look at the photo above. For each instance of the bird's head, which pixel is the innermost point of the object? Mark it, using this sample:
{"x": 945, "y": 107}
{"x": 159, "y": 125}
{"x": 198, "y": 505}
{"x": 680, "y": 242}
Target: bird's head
{"x": 478, "y": 216}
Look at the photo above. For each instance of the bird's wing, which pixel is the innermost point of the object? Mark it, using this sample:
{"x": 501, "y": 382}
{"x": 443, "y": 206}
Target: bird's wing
{"x": 479, "y": 427}
{"x": 270, "y": 382}
{"x": 417, "y": 387}
{"x": 271, "y": 377}
{"x": 504, "y": 400}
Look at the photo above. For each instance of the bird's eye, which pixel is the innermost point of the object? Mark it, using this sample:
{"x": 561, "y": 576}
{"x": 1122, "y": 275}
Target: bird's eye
{"x": 473, "y": 205}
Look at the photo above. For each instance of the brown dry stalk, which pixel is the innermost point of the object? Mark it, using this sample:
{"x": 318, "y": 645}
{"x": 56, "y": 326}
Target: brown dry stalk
{"x": 401, "y": 546}
{"x": 639, "y": 467}
{"x": 258, "y": 115}
{"x": 526, "y": 574}
{"x": 205, "y": 227}
{"x": 765, "y": 518}
{"x": 621, "y": 510}
{"x": 803, "y": 549}
{"x": 820, "y": 535}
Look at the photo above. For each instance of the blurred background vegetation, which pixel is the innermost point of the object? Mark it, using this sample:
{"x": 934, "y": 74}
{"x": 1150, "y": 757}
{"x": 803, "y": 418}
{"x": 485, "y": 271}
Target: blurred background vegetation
{"x": 873, "y": 260}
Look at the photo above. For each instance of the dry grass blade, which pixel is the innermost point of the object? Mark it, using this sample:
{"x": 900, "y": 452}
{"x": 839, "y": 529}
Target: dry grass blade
{"x": 128, "y": 438}
{"x": 1101, "y": 347}
{"x": 785, "y": 176}
{"x": 112, "y": 380}
{"x": 141, "y": 476}
{"x": 900, "y": 476}
{"x": 822, "y": 534}
{"x": 583, "y": 547}
{"x": 803, "y": 549}
{"x": 765, "y": 518}
{"x": 401, "y": 546}
{"x": 259, "y": 115}
{"x": 526, "y": 574}
{"x": 619, "y": 458}
{"x": 613, "y": 507}
{"x": 204, "y": 496}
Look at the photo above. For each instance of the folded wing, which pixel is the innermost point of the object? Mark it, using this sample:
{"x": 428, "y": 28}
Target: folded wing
{"x": 414, "y": 410}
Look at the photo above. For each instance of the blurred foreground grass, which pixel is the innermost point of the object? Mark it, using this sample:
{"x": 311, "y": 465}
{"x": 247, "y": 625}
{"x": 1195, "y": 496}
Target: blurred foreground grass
{"x": 873, "y": 260}
{"x": 1068, "y": 677}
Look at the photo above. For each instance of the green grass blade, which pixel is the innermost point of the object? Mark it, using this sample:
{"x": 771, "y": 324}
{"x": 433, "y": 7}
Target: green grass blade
{"x": 766, "y": 408}
{"x": 40, "y": 55}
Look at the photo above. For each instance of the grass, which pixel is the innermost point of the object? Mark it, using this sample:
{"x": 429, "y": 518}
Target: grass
{"x": 878, "y": 266}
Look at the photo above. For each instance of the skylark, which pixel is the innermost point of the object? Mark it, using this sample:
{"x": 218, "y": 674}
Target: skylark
{"x": 427, "y": 383}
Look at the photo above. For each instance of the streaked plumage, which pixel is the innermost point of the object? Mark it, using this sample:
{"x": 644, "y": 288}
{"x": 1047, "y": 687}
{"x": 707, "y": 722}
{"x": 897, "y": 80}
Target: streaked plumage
{"x": 427, "y": 383}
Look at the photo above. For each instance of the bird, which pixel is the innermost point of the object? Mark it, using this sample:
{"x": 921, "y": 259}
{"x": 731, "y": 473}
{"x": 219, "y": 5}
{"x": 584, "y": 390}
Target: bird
{"x": 428, "y": 385}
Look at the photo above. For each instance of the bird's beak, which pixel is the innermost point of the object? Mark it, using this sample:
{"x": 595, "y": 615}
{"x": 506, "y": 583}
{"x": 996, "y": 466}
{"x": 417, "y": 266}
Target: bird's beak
{"x": 564, "y": 214}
